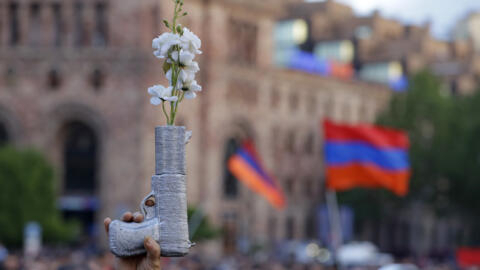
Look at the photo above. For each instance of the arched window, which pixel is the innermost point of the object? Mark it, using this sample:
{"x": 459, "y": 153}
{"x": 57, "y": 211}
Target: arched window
{"x": 230, "y": 183}
{"x": 80, "y": 158}
{"x": 80, "y": 175}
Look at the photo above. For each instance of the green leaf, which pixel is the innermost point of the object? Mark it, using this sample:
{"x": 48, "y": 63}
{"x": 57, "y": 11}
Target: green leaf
{"x": 166, "y": 67}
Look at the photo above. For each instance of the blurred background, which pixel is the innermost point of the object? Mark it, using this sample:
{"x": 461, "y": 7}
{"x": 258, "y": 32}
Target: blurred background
{"x": 76, "y": 129}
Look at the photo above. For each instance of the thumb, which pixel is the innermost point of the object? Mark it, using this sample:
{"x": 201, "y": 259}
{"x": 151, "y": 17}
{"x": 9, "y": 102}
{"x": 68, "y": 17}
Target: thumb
{"x": 153, "y": 252}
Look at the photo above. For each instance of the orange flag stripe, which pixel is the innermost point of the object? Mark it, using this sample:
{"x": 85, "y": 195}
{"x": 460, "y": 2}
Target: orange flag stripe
{"x": 346, "y": 177}
{"x": 253, "y": 180}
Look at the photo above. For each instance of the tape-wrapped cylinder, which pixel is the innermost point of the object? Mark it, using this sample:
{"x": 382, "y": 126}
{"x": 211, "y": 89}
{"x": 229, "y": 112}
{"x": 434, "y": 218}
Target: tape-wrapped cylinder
{"x": 171, "y": 209}
{"x": 170, "y": 150}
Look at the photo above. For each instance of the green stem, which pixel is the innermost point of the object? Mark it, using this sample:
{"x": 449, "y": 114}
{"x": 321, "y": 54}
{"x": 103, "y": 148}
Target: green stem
{"x": 165, "y": 112}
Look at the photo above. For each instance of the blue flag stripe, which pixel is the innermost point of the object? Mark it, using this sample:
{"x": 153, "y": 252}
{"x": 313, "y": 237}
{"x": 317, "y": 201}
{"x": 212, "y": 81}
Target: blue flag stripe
{"x": 341, "y": 153}
{"x": 246, "y": 156}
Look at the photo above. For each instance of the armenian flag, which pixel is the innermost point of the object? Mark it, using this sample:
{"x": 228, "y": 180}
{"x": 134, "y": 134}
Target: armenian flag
{"x": 245, "y": 165}
{"x": 366, "y": 156}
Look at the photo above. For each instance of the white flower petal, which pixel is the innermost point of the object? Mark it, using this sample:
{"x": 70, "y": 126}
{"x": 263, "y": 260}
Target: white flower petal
{"x": 190, "y": 95}
{"x": 173, "y": 98}
{"x": 190, "y": 42}
{"x": 153, "y": 90}
{"x": 155, "y": 101}
{"x": 163, "y": 43}
{"x": 186, "y": 57}
{"x": 195, "y": 87}
{"x": 169, "y": 75}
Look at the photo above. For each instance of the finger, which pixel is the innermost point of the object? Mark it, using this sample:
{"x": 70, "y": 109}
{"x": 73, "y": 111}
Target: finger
{"x": 137, "y": 217}
{"x": 127, "y": 217}
{"x": 106, "y": 223}
{"x": 153, "y": 252}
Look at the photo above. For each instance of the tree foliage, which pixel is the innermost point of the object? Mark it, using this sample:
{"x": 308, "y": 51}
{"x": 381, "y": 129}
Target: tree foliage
{"x": 27, "y": 194}
{"x": 200, "y": 225}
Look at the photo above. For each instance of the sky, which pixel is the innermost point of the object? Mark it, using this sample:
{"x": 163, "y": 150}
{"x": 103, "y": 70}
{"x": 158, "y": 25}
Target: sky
{"x": 441, "y": 13}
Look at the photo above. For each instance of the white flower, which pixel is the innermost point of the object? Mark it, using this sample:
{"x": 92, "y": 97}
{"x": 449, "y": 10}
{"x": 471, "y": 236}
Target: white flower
{"x": 190, "y": 42}
{"x": 192, "y": 67}
{"x": 169, "y": 78}
{"x": 187, "y": 73}
{"x": 190, "y": 87}
{"x": 160, "y": 93}
{"x": 185, "y": 59}
{"x": 163, "y": 43}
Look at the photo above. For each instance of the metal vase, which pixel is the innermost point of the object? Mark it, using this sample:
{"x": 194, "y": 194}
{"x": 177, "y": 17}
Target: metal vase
{"x": 165, "y": 208}
{"x": 169, "y": 187}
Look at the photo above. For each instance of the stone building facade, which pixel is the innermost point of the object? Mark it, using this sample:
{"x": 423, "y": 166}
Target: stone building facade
{"x": 73, "y": 80}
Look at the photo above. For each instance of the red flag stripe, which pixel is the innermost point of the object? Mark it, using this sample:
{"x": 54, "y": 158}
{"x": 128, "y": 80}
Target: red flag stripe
{"x": 376, "y": 136}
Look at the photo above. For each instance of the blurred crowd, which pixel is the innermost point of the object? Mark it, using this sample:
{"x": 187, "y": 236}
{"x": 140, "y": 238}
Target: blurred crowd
{"x": 85, "y": 259}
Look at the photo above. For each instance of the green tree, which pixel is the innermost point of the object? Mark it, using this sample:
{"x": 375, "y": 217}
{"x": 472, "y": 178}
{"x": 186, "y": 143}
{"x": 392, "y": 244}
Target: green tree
{"x": 27, "y": 194}
{"x": 200, "y": 226}
{"x": 444, "y": 153}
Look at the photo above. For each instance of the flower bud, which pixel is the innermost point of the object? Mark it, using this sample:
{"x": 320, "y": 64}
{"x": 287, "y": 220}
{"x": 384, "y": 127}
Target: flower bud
{"x": 166, "y": 23}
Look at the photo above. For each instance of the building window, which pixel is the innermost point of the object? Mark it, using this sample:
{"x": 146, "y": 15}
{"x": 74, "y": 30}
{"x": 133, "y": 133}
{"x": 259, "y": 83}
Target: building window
{"x": 290, "y": 142}
{"x": 347, "y": 112}
{"x": 308, "y": 188}
{"x": 14, "y": 22}
{"x": 80, "y": 172}
{"x": 309, "y": 144}
{"x": 2, "y": 23}
{"x": 35, "y": 31}
{"x": 244, "y": 42}
{"x": 272, "y": 228}
{"x": 310, "y": 227}
{"x": 97, "y": 79}
{"x": 229, "y": 233}
{"x": 53, "y": 79}
{"x": 100, "y": 34}
{"x": 275, "y": 98}
{"x": 10, "y": 77}
{"x": 290, "y": 228}
{"x": 79, "y": 26}
{"x": 275, "y": 143}
{"x": 57, "y": 24}
{"x": 294, "y": 101}
{"x": 290, "y": 186}
{"x": 4, "y": 138}
{"x": 311, "y": 101}
{"x": 80, "y": 158}
{"x": 230, "y": 183}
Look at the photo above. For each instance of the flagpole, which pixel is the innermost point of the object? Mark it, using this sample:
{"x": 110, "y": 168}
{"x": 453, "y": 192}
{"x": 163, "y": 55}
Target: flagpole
{"x": 335, "y": 224}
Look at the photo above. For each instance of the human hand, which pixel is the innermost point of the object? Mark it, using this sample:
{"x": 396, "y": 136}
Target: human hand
{"x": 149, "y": 261}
